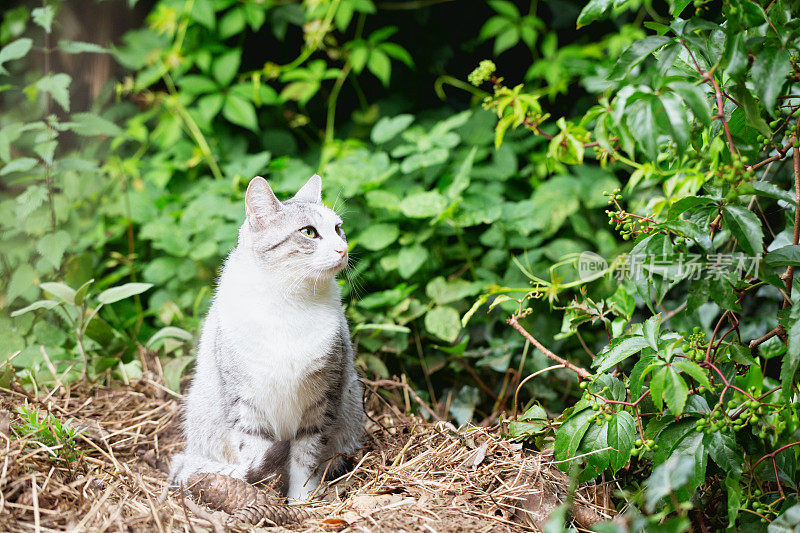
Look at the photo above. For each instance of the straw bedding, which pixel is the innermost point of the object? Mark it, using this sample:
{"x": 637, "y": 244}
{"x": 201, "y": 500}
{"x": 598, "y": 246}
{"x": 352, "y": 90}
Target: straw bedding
{"x": 411, "y": 476}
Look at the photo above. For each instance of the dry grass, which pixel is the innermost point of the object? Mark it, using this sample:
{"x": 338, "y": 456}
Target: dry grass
{"x": 412, "y": 475}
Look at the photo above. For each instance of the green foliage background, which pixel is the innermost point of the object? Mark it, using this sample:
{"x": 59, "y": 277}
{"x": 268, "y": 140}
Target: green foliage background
{"x": 464, "y": 204}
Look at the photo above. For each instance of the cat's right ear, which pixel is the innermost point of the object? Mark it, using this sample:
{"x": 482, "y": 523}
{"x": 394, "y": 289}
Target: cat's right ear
{"x": 260, "y": 202}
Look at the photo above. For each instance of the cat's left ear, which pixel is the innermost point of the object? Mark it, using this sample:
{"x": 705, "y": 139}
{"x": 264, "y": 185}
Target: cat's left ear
{"x": 310, "y": 192}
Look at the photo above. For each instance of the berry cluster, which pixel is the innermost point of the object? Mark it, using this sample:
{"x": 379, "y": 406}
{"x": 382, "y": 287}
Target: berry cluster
{"x": 740, "y": 413}
{"x": 625, "y": 223}
{"x": 766, "y": 510}
{"x": 641, "y": 447}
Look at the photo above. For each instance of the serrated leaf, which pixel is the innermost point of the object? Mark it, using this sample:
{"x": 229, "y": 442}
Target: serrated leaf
{"x": 745, "y": 227}
{"x": 115, "y": 294}
{"x": 619, "y": 352}
{"x": 90, "y": 125}
{"x": 695, "y": 98}
{"x": 53, "y": 245}
{"x": 667, "y": 477}
{"x": 675, "y": 391}
{"x": 57, "y": 86}
{"x": 621, "y": 436}
{"x": 635, "y": 54}
{"x": 770, "y": 68}
{"x": 791, "y": 361}
{"x": 694, "y": 370}
{"x": 650, "y": 329}
{"x": 788, "y": 255}
{"x": 569, "y": 437}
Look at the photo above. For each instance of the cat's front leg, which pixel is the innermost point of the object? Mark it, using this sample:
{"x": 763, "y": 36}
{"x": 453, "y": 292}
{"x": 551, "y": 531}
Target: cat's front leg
{"x": 304, "y": 471}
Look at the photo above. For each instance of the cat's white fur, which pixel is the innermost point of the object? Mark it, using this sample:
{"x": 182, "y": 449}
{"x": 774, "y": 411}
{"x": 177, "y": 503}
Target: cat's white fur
{"x": 278, "y": 321}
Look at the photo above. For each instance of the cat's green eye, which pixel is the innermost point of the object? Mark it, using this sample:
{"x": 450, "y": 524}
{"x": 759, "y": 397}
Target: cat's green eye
{"x": 310, "y": 232}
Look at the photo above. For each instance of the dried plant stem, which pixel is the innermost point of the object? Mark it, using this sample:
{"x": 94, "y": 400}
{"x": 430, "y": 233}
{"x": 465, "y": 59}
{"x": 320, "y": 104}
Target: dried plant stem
{"x": 514, "y": 323}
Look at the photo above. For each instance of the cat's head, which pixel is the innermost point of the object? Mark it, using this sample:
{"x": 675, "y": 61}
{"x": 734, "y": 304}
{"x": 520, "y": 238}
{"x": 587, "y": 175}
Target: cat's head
{"x": 298, "y": 238}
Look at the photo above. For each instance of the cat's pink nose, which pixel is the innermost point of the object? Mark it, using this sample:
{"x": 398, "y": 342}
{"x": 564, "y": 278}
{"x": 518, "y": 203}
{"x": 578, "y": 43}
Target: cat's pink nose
{"x": 340, "y": 252}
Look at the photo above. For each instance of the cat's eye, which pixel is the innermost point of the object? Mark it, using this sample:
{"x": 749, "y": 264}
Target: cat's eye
{"x": 339, "y": 229}
{"x": 310, "y": 232}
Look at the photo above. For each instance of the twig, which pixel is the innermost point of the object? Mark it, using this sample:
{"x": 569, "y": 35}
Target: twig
{"x": 386, "y": 383}
{"x": 582, "y": 373}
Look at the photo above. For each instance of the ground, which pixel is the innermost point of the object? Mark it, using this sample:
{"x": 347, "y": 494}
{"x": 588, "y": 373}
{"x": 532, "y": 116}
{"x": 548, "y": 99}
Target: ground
{"x": 411, "y": 476}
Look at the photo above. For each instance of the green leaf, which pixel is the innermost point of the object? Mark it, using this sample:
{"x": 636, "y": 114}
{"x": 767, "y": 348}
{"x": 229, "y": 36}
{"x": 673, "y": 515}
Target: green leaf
{"x": 618, "y": 352}
{"x": 80, "y": 294}
{"x": 410, "y": 259}
{"x": 423, "y": 204}
{"x": 80, "y": 47}
{"x": 505, "y": 8}
{"x": 240, "y": 112}
{"x": 53, "y": 245}
{"x": 788, "y": 255}
{"x": 493, "y": 27}
{"x": 379, "y": 64}
{"x": 770, "y": 69}
{"x": 657, "y": 386}
{"x": 41, "y": 304}
{"x": 735, "y": 57}
{"x": 443, "y": 292}
{"x": 60, "y": 291}
{"x": 569, "y": 437}
{"x": 196, "y": 84}
{"x": 14, "y": 50}
{"x": 650, "y": 329}
{"x": 770, "y": 190}
{"x": 232, "y": 23}
{"x": 444, "y": 322}
{"x": 635, "y": 54}
{"x": 787, "y": 522}
{"x": 226, "y": 66}
{"x": 43, "y": 16}
{"x": 506, "y": 40}
{"x": 204, "y": 13}
{"x": 169, "y": 332}
{"x": 378, "y": 236}
{"x": 22, "y": 278}
{"x": 593, "y": 10}
{"x": 675, "y": 391}
{"x": 91, "y": 125}
{"x": 57, "y": 86}
{"x": 695, "y": 98}
{"x": 387, "y": 128}
{"x": 21, "y": 164}
{"x": 621, "y": 436}
{"x": 745, "y": 227}
{"x": 398, "y": 52}
{"x": 668, "y": 477}
{"x": 791, "y": 361}
{"x": 694, "y": 370}
{"x": 115, "y": 294}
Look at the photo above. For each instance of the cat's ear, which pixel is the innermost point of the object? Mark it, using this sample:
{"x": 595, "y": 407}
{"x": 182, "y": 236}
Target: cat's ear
{"x": 260, "y": 202}
{"x": 310, "y": 192}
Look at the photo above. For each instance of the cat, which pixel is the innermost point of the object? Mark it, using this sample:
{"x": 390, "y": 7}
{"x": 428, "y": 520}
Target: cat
{"x": 275, "y": 389}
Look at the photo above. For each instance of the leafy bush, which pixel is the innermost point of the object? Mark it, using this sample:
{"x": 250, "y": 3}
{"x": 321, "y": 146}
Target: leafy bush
{"x": 705, "y": 396}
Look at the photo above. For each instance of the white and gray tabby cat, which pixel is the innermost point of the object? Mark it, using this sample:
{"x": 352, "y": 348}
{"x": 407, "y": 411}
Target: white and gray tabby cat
{"x": 275, "y": 390}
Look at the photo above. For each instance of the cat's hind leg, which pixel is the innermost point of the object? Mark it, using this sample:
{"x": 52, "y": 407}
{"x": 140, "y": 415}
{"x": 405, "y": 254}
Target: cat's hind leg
{"x": 184, "y": 465}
